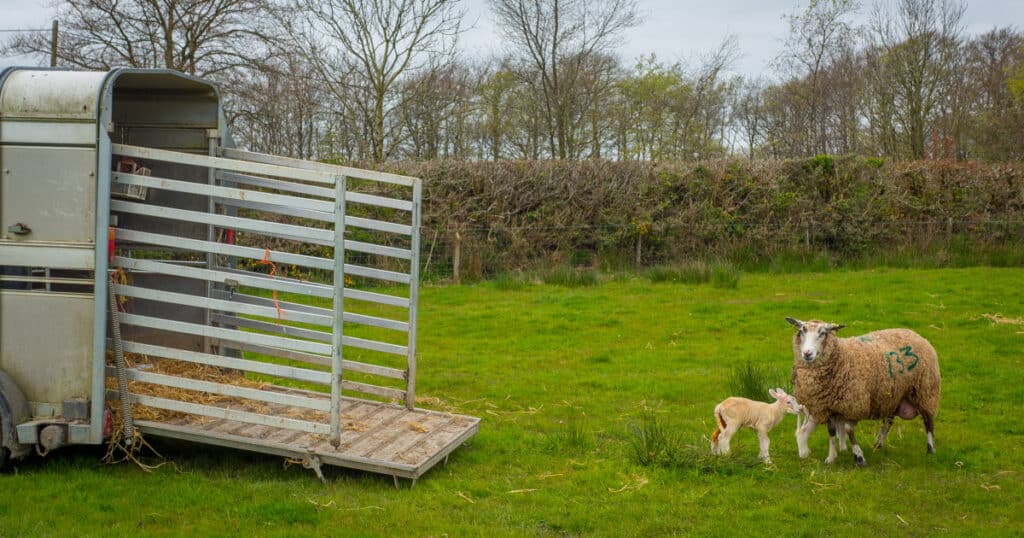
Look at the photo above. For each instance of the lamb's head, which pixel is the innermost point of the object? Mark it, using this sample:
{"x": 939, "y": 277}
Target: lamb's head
{"x": 813, "y": 339}
{"x": 789, "y": 402}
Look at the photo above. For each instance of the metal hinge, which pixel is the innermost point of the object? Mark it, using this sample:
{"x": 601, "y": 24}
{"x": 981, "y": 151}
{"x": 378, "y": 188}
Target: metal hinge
{"x": 19, "y": 229}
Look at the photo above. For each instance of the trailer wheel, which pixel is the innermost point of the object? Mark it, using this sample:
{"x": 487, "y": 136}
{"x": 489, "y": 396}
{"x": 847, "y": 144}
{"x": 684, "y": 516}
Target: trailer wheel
{"x": 14, "y": 410}
{"x": 5, "y": 455}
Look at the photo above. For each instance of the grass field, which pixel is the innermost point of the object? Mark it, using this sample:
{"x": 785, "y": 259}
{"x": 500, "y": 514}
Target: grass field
{"x": 568, "y": 378}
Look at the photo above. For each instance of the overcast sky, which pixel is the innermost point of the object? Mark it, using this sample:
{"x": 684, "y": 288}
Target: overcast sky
{"x": 675, "y": 30}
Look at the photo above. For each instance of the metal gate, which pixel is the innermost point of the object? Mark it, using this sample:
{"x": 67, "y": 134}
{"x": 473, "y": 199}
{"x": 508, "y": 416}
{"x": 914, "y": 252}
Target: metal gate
{"x": 203, "y": 282}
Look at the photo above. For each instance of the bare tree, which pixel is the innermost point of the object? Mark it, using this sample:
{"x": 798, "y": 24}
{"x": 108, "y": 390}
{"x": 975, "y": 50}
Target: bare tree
{"x": 748, "y": 113}
{"x": 843, "y": 103}
{"x": 364, "y": 47}
{"x": 495, "y": 97}
{"x": 585, "y": 121}
{"x": 996, "y": 123}
{"x": 527, "y": 121}
{"x": 557, "y": 39}
{"x": 435, "y": 111}
{"x": 275, "y": 107}
{"x": 706, "y": 114}
{"x": 917, "y": 46}
{"x": 816, "y": 38}
{"x": 202, "y": 37}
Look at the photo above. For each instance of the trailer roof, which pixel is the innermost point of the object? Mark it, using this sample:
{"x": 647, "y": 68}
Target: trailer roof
{"x": 28, "y": 92}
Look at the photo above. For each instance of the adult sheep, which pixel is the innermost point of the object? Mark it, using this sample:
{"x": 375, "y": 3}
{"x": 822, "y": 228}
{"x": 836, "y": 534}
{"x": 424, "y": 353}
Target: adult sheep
{"x": 878, "y": 375}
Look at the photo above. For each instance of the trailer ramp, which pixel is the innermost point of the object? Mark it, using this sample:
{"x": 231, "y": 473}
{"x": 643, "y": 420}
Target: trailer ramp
{"x": 300, "y": 280}
{"x": 376, "y": 437}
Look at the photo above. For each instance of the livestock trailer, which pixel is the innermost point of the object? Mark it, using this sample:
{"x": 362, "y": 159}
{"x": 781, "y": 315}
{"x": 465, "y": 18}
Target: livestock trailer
{"x": 199, "y": 291}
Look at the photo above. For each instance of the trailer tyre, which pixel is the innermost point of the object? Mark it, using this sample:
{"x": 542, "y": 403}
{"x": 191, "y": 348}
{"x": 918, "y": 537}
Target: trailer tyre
{"x": 5, "y": 455}
{"x": 14, "y": 410}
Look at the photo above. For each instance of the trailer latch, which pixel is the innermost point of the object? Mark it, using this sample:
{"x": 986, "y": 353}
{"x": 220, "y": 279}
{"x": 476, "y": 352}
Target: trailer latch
{"x": 19, "y": 229}
{"x": 231, "y": 285}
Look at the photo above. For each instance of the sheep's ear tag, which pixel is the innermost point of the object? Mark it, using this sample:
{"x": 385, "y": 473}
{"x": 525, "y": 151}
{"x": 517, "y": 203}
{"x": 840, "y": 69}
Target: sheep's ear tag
{"x": 834, "y": 328}
{"x": 795, "y": 322}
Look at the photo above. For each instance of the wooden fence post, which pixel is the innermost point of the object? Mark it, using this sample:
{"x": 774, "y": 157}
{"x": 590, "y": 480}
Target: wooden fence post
{"x": 639, "y": 247}
{"x": 456, "y": 257}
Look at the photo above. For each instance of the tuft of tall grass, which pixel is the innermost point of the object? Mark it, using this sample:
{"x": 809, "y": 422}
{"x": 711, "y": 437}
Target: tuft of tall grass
{"x": 725, "y": 276}
{"x": 510, "y": 281}
{"x": 571, "y": 436}
{"x": 570, "y": 277}
{"x": 697, "y": 272}
{"x": 751, "y": 380}
{"x": 654, "y": 441}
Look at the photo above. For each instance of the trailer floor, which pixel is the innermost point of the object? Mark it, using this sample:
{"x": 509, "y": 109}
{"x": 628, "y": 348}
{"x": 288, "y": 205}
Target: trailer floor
{"x": 377, "y": 437}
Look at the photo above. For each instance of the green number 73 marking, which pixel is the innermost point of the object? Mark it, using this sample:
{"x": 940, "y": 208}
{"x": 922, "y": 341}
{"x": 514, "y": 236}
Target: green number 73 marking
{"x": 909, "y": 353}
{"x": 888, "y": 359}
{"x": 894, "y": 356}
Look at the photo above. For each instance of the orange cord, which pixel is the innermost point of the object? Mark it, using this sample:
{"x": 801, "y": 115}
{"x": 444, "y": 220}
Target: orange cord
{"x": 120, "y": 277}
{"x": 273, "y": 271}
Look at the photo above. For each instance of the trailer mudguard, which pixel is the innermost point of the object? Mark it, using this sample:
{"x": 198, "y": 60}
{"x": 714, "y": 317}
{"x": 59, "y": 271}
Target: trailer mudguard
{"x": 14, "y": 410}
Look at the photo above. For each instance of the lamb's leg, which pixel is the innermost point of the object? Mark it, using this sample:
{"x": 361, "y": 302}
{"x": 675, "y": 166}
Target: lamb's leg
{"x": 831, "y": 441}
{"x": 858, "y": 454}
{"x": 724, "y": 438}
{"x": 929, "y": 426}
{"x": 802, "y": 433}
{"x": 762, "y": 436}
{"x": 883, "y": 432}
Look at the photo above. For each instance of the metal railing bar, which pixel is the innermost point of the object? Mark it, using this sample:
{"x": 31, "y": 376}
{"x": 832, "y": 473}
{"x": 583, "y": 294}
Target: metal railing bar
{"x": 231, "y": 164}
{"x": 289, "y": 372}
{"x": 223, "y": 389}
{"x": 331, "y": 169}
{"x": 270, "y": 199}
{"x": 197, "y": 329}
{"x": 230, "y": 414}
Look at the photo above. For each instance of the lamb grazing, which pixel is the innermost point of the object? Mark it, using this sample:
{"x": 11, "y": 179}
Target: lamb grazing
{"x": 735, "y": 413}
{"x": 879, "y": 375}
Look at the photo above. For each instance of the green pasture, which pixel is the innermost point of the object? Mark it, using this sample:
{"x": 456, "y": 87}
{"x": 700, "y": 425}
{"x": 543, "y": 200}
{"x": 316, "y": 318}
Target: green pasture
{"x": 597, "y": 401}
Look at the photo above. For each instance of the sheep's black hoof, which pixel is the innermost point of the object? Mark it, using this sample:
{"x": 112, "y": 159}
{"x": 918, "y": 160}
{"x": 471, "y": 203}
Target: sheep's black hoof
{"x": 931, "y": 449}
{"x": 859, "y": 460}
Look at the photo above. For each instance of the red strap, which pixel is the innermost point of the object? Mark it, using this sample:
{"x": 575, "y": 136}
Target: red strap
{"x": 110, "y": 245}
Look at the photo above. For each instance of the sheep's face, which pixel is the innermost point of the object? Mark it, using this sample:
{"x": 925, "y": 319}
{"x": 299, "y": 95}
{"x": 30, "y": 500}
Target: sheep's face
{"x": 812, "y": 338}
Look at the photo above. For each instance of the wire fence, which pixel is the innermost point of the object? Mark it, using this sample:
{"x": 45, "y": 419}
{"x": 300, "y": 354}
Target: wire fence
{"x": 473, "y": 253}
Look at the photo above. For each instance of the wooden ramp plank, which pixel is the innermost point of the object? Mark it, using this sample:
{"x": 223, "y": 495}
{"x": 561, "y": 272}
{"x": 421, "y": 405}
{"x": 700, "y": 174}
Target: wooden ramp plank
{"x": 412, "y": 450}
{"x": 376, "y": 437}
{"x": 284, "y": 437}
{"x": 407, "y": 432}
{"x": 356, "y": 431}
{"x": 427, "y": 447}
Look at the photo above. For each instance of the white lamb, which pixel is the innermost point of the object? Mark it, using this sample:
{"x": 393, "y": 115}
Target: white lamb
{"x": 735, "y": 413}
